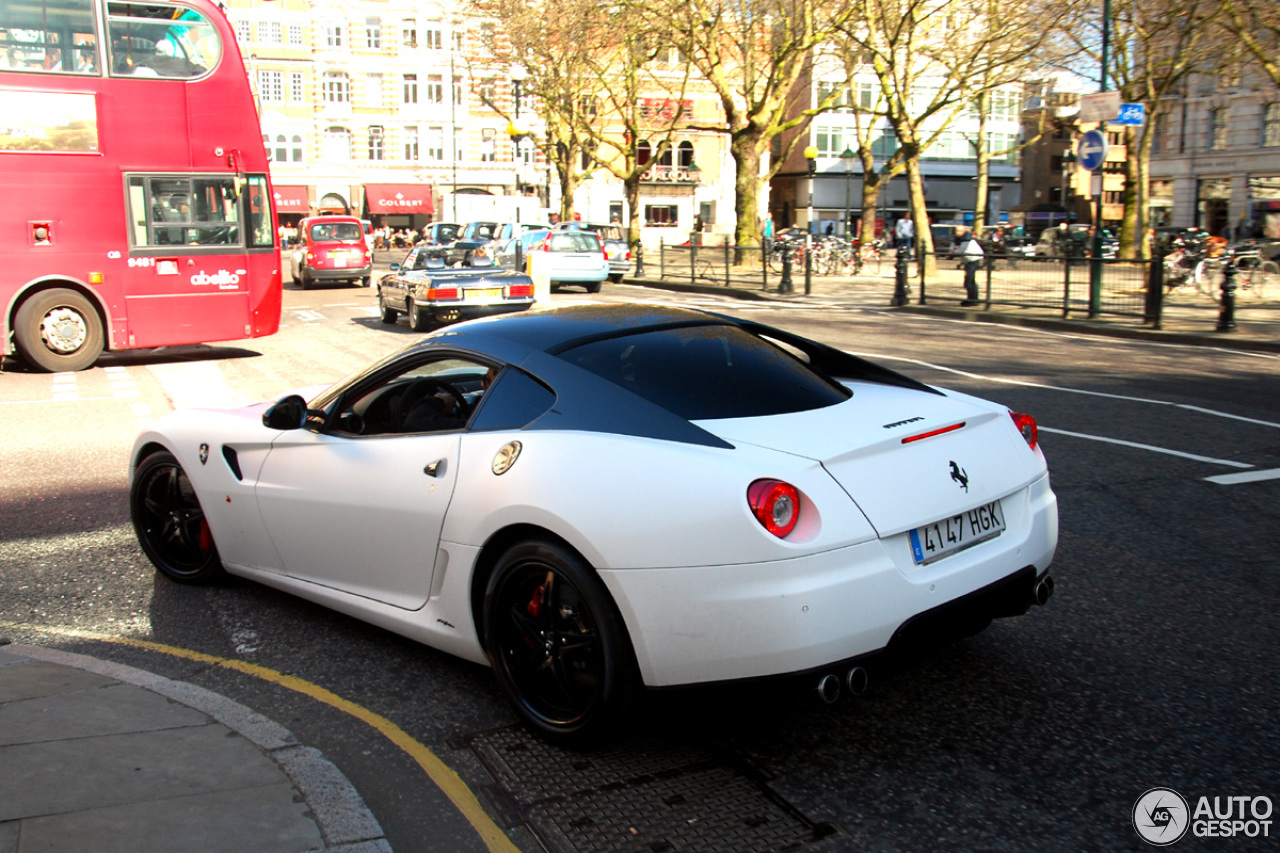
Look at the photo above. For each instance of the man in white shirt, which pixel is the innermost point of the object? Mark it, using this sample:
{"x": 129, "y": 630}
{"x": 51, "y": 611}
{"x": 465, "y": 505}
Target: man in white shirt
{"x": 905, "y": 232}
{"x": 972, "y": 255}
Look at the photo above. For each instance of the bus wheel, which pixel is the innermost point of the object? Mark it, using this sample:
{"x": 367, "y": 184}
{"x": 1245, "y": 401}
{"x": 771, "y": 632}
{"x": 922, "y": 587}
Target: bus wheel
{"x": 58, "y": 330}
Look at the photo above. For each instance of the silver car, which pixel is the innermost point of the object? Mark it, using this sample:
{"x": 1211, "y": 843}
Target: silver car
{"x": 574, "y": 257}
{"x": 614, "y": 238}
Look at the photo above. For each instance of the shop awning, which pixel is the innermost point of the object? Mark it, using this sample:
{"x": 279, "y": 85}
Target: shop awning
{"x": 292, "y": 199}
{"x": 399, "y": 198}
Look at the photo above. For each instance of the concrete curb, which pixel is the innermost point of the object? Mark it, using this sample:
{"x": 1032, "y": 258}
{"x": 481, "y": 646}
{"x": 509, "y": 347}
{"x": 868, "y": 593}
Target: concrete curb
{"x": 345, "y": 822}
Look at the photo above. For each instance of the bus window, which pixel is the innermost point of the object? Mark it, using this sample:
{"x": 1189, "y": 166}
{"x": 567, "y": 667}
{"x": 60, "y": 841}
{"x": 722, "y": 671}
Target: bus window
{"x": 179, "y": 211}
{"x": 43, "y": 35}
{"x": 161, "y": 41}
{"x": 259, "y": 216}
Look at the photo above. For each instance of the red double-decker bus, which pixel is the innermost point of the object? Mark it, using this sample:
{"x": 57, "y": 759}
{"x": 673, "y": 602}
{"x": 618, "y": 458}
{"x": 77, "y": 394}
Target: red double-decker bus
{"x": 133, "y": 182}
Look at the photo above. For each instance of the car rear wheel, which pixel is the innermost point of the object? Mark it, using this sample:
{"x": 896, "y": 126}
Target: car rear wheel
{"x": 558, "y": 644}
{"x": 615, "y": 277}
{"x": 58, "y": 330}
{"x": 419, "y": 320}
{"x": 170, "y": 523}
{"x": 593, "y": 286}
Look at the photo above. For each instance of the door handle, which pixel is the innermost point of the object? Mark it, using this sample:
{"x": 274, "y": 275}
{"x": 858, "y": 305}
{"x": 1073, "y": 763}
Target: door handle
{"x": 434, "y": 469}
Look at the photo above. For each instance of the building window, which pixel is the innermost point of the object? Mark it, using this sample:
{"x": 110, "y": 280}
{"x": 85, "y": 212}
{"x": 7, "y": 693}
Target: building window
{"x": 410, "y": 143}
{"x": 434, "y": 144}
{"x": 373, "y": 86}
{"x": 488, "y": 145}
{"x": 297, "y": 88}
{"x": 281, "y": 152}
{"x": 435, "y": 89}
{"x": 661, "y": 214}
{"x": 684, "y": 155}
{"x": 373, "y": 33}
{"x": 411, "y": 88}
{"x": 457, "y": 91}
{"x": 271, "y": 87}
{"x": 337, "y": 143}
{"x": 242, "y": 33}
{"x": 433, "y": 36}
{"x": 1218, "y": 129}
{"x": 488, "y": 91}
{"x": 337, "y": 88}
{"x": 333, "y": 35}
{"x": 829, "y": 141}
{"x": 295, "y": 145}
{"x": 409, "y": 32}
{"x": 375, "y": 143}
{"x": 295, "y": 35}
{"x": 270, "y": 32}
{"x": 1271, "y": 125}
{"x": 837, "y": 90}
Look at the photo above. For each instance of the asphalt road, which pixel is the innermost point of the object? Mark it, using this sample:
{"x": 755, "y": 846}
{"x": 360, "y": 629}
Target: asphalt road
{"x": 1153, "y": 666}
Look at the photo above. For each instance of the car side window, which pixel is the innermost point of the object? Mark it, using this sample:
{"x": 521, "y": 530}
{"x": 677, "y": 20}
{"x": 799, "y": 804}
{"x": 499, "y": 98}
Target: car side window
{"x": 438, "y": 395}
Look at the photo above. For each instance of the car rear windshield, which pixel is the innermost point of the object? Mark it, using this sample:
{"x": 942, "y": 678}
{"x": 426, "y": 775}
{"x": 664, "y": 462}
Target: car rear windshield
{"x": 708, "y": 372}
{"x": 335, "y": 231}
{"x": 573, "y": 241}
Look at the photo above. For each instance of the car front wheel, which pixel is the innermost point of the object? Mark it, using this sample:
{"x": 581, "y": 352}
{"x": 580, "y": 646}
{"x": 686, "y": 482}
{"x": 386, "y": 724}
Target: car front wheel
{"x": 389, "y": 314}
{"x": 558, "y": 644}
{"x": 170, "y": 523}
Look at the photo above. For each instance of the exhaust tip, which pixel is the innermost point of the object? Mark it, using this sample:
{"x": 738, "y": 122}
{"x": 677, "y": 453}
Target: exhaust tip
{"x": 829, "y": 689}
{"x": 856, "y": 680}
{"x": 1044, "y": 590}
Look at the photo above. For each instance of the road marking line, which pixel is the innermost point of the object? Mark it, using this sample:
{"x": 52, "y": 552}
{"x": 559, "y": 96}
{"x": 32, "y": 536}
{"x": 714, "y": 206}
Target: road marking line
{"x": 1245, "y": 477}
{"x": 1230, "y": 462}
{"x": 444, "y": 777}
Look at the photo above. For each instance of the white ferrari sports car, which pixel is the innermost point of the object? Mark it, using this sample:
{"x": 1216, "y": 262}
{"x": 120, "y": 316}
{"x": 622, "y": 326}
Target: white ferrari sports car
{"x": 597, "y": 499}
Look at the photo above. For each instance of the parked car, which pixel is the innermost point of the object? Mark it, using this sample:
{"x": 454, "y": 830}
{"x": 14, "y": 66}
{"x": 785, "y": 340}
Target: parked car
{"x": 504, "y": 231}
{"x": 476, "y": 231}
{"x": 441, "y": 233}
{"x": 614, "y": 239}
{"x": 368, "y": 234}
{"x": 331, "y": 248}
{"x": 574, "y": 257}
{"x": 444, "y": 284}
{"x": 617, "y": 497}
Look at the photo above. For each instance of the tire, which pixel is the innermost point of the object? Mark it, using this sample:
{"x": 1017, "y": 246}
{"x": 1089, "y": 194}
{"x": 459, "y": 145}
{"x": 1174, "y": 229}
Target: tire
{"x": 306, "y": 280}
{"x": 1208, "y": 277}
{"x": 419, "y": 320}
{"x": 58, "y": 330}
{"x": 293, "y": 273}
{"x": 592, "y": 286}
{"x": 615, "y": 277}
{"x": 365, "y": 282}
{"x": 389, "y": 314}
{"x": 170, "y": 523}
{"x": 557, "y": 644}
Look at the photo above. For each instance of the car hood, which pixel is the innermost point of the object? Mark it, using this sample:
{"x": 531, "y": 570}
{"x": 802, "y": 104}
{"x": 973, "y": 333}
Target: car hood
{"x": 899, "y": 485}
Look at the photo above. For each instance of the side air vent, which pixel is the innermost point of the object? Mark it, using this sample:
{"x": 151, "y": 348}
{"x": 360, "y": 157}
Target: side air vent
{"x": 233, "y": 461}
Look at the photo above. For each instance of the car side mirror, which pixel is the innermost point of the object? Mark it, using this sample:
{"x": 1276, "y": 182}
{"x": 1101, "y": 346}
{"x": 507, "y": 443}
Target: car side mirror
{"x": 285, "y": 414}
{"x": 395, "y": 268}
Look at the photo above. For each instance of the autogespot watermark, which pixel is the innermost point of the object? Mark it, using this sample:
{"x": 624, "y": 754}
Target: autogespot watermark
{"x": 1162, "y": 817}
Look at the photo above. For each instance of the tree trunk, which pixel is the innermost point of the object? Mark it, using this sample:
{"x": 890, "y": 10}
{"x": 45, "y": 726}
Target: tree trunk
{"x": 744, "y": 146}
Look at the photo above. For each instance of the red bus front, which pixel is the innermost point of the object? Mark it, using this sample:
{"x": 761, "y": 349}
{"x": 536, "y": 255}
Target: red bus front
{"x": 135, "y": 184}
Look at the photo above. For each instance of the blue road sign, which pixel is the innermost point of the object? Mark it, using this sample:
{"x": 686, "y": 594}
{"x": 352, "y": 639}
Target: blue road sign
{"x": 1091, "y": 150}
{"x": 1131, "y": 114}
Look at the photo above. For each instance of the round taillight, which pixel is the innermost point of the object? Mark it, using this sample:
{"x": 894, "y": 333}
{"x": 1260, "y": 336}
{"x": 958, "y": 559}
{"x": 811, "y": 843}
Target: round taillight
{"x": 775, "y": 504}
{"x": 1027, "y": 426}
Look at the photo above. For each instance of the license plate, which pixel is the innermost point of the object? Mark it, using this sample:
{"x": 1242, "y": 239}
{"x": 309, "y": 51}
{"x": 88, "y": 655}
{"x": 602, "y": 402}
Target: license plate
{"x": 943, "y": 538}
{"x": 339, "y": 260}
{"x": 482, "y": 293}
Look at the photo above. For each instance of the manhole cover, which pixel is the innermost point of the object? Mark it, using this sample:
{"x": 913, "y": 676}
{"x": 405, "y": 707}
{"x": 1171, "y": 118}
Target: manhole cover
{"x": 662, "y": 799}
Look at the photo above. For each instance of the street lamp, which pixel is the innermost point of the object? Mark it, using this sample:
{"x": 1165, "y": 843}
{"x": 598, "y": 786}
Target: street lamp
{"x": 811, "y": 155}
{"x": 846, "y": 158}
{"x": 515, "y": 129}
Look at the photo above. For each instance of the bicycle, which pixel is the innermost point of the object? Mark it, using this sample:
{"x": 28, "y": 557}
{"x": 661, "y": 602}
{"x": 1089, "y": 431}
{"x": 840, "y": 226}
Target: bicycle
{"x": 1254, "y": 275}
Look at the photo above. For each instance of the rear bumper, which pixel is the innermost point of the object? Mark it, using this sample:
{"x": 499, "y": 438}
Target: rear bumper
{"x": 720, "y": 623}
{"x": 450, "y": 311}
{"x": 343, "y": 274}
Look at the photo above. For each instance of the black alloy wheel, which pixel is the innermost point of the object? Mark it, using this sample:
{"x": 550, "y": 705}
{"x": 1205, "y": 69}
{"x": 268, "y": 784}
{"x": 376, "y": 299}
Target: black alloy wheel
{"x": 170, "y": 523}
{"x": 558, "y": 645}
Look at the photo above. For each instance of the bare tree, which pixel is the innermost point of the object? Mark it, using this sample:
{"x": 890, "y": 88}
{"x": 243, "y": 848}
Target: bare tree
{"x": 1155, "y": 45}
{"x": 1256, "y": 23}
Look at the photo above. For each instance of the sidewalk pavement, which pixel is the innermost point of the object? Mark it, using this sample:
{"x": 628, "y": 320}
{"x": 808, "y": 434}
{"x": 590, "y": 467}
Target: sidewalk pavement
{"x": 104, "y": 757}
{"x": 1186, "y": 318}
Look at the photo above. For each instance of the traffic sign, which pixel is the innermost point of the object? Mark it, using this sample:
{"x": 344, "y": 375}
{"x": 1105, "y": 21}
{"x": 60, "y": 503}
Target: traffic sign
{"x": 1131, "y": 114}
{"x": 1091, "y": 150}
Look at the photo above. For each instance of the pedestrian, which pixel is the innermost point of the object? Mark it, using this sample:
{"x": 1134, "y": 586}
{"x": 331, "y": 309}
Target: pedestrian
{"x": 972, "y": 255}
{"x": 831, "y": 228}
{"x": 768, "y": 235}
{"x": 905, "y": 232}
{"x": 696, "y": 237}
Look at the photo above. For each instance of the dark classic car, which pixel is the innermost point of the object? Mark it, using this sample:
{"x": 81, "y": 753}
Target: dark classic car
{"x": 444, "y": 284}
